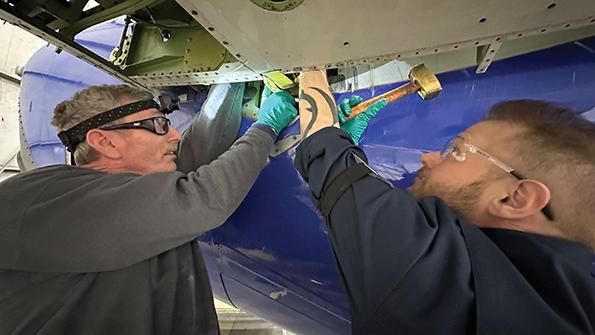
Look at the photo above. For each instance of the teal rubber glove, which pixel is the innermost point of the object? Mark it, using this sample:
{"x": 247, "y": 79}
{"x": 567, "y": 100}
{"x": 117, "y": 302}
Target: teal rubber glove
{"x": 356, "y": 126}
{"x": 277, "y": 111}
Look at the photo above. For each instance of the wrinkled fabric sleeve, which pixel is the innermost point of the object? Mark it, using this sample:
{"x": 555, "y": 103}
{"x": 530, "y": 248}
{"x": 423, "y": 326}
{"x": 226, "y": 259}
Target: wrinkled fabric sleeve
{"x": 192, "y": 151}
{"x": 378, "y": 232}
{"x": 214, "y": 129}
{"x": 107, "y": 222}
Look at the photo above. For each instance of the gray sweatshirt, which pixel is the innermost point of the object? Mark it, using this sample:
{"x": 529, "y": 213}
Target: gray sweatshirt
{"x": 87, "y": 252}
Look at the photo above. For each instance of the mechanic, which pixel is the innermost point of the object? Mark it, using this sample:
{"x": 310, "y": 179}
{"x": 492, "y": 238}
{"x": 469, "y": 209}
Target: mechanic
{"x": 496, "y": 235}
{"x": 108, "y": 246}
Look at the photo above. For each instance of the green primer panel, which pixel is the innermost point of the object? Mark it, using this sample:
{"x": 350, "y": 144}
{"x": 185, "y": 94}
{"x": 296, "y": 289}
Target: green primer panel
{"x": 157, "y": 51}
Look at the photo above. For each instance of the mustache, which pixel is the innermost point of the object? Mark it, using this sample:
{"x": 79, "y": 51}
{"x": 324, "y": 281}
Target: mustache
{"x": 173, "y": 148}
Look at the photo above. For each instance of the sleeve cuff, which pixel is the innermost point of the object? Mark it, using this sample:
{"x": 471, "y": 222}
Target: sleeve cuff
{"x": 270, "y": 131}
{"x": 323, "y": 155}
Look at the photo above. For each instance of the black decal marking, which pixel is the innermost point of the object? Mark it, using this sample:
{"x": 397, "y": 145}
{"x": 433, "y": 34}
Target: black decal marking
{"x": 312, "y": 109}
{"x": 331, "y": 103}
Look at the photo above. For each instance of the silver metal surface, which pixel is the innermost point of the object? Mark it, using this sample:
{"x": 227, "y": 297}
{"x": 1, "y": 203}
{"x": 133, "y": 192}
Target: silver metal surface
{"x": 24, "y": 158}
{"x": 488, "y": 57}
{"x": 381, "y": 72}
{"x": 285, "y": 144}
{"x": 7, "y": 77}
{"x": 5, "y": 161}
{"x": 352, "y": 34}
{"x": 331, "y": 32}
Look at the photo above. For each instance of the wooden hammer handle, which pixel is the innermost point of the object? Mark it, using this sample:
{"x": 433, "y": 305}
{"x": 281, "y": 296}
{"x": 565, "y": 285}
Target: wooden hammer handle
{"x": 391, "y": 96}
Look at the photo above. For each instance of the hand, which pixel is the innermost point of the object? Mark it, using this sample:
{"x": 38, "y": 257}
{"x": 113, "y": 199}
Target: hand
{"x": 277, "y": 111}
{"x": 356, "y": 126}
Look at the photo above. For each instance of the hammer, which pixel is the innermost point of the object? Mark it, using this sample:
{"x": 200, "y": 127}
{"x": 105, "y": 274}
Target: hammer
{"x": 423, "y": 81}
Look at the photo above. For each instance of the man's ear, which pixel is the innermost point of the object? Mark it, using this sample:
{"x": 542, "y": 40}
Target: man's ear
{"x": 523, "y": 199}
{"x": 103, "y": 143}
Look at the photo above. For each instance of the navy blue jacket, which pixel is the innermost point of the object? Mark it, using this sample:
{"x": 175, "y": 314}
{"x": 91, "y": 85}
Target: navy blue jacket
{"x": 419, "y": 268}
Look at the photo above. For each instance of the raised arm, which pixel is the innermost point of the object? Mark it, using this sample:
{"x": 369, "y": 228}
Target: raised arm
{"x": 378, "y": 233}
{"x": 110, "y": 221}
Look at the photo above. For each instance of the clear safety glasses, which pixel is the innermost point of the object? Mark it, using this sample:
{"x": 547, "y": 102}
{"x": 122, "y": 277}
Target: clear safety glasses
{"x": 458, "y": 148}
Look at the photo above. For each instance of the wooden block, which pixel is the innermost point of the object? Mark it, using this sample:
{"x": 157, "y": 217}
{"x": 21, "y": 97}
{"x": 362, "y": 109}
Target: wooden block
{"x": 316, "y": 106}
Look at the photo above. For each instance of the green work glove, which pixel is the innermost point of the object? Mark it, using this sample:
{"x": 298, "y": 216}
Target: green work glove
{"x": 356, "y": 126}
{"x": 277, "y": 111}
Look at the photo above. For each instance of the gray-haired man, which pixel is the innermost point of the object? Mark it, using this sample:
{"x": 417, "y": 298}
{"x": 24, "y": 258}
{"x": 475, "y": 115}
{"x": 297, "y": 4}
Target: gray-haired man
{"x": 107, "y": 247}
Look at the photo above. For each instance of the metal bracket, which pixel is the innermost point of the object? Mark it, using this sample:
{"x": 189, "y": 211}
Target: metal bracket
{"x": 487, "y": 54}
{"x": 14, "y": 80}
{"x": 285, "y": 144}
{"x": 4, "y": 164}
{"x": 117, "y": 56}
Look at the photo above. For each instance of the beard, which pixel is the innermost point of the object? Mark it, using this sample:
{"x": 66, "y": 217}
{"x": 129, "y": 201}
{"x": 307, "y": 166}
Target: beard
{"x": 463, "y": 199}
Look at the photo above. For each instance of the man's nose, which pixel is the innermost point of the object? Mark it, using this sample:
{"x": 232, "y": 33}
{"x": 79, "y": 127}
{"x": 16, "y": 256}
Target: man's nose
{"x": 431, "y": 159}
{"x": 174, "y": 134}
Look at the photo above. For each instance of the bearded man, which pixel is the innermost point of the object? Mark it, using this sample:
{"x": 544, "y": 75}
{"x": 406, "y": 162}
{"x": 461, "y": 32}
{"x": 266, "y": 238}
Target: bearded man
{"x": 494, "y": 237}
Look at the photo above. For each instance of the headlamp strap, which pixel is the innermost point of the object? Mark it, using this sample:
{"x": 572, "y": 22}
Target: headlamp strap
{"x": 76, "y": 134}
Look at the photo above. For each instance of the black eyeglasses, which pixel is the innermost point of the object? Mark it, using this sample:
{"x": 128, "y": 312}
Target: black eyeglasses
{"x": 157, "y": 125}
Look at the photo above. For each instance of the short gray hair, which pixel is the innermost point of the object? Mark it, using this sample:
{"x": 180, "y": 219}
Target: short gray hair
{"x": 89, "y": 102}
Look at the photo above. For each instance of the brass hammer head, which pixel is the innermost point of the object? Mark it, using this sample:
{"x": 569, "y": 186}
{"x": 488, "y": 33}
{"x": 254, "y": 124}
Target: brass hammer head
{"x": 426, "y": 81}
